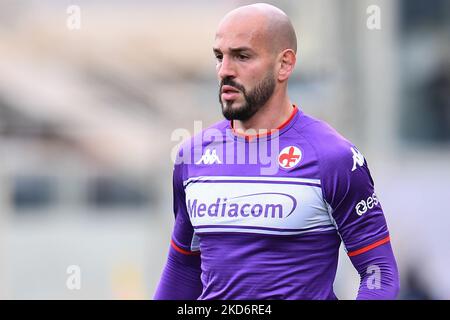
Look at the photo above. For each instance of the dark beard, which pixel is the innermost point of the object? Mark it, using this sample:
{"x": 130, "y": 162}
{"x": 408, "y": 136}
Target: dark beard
{"x": 254, "y": 99}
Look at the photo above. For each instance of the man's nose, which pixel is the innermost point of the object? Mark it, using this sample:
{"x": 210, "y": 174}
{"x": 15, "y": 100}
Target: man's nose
{"x": 226, "y": 68}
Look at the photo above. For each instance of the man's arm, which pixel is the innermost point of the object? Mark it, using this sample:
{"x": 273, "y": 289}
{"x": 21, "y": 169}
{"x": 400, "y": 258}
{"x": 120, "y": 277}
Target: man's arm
{"x": 378, "y": 272}
{"x": 356, "y": 211}
{"x": 180, "y": 279}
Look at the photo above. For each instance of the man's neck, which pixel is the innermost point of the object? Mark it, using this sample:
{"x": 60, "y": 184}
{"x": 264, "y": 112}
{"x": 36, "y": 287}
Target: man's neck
{"x": 274, "y": 113}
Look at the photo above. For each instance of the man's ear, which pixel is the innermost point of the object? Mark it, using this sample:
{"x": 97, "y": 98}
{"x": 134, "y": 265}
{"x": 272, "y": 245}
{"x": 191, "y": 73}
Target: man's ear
{"x": 287, "y": 64}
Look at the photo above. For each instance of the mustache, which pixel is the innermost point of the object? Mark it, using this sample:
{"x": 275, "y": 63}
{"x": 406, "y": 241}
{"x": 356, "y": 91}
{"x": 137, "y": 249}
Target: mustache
{"x": 231, "y": 82}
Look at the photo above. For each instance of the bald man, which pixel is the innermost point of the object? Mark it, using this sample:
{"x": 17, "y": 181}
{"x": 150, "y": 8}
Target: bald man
{"x": 243, "y": 232}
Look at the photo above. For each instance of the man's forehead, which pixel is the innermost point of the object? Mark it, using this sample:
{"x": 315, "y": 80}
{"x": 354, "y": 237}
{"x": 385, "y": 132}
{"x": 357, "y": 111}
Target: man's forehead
{"x": 258, "y": 25}
{"x": 237, "y": 38}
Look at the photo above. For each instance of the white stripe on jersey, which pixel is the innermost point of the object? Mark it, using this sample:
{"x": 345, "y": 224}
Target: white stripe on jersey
{"x": 259, "y": 178}
{"x": 261, "y": 231}
{"x": 257, "y": 205}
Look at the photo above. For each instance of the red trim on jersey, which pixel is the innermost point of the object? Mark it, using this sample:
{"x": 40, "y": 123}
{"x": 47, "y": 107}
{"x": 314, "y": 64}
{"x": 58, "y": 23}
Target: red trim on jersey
{"x": 284, "y": 124}
{"x": 369, "y": 247}
{"x": 259, "y": 135}
{"x": 177, "y": 248}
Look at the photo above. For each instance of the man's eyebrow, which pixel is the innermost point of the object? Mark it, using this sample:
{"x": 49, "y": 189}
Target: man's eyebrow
{"x": 240, "y": 49}
{"x": 234, "y": 50}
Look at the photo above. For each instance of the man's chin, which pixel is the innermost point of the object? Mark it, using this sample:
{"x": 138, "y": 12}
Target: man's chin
{"x": 230, "y": 109}
{"x": 235, "y": 113}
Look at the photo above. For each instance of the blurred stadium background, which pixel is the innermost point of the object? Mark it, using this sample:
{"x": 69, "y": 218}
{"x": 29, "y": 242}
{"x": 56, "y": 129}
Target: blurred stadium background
{"x": 86, "y": 118}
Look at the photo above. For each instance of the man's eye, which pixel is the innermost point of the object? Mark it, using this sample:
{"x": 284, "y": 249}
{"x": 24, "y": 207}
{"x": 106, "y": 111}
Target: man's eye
{"x": 218, "y": 57}
{"x": 242, "y": 57}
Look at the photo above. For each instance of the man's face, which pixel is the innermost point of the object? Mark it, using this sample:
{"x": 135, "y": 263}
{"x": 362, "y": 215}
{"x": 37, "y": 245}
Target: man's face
{"x": 245, "y": 69}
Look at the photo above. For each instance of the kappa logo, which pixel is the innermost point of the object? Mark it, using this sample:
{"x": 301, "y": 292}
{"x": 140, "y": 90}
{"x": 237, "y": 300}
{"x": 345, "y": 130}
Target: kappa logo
{"x": 289, "y": 157}
{"x": 358, "y": 158}
{"x": 209, "y": 157}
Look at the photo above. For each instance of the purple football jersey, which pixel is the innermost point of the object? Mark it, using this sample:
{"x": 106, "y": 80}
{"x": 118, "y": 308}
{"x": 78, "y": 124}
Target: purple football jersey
{"x": 267, "y": 214}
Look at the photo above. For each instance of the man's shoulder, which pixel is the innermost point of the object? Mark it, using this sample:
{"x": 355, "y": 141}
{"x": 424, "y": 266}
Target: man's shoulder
{"x": 209, "y": 134}
{"x": 203, "y": 137}
{"x": 328, "y": 143}
{"x": 221, "y": 125}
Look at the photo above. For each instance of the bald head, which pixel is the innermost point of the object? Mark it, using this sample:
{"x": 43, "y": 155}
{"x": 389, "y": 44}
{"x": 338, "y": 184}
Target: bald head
{"x": 255, "y": 49}
{"x": 263, "y": 22}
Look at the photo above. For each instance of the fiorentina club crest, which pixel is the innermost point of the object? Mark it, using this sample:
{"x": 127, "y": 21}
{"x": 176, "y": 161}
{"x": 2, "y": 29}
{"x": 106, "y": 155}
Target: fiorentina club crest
{"x": 289, "y": 157}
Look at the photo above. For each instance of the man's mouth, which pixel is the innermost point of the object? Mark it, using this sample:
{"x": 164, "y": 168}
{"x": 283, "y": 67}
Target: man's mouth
{"x": 229, "y": 92}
